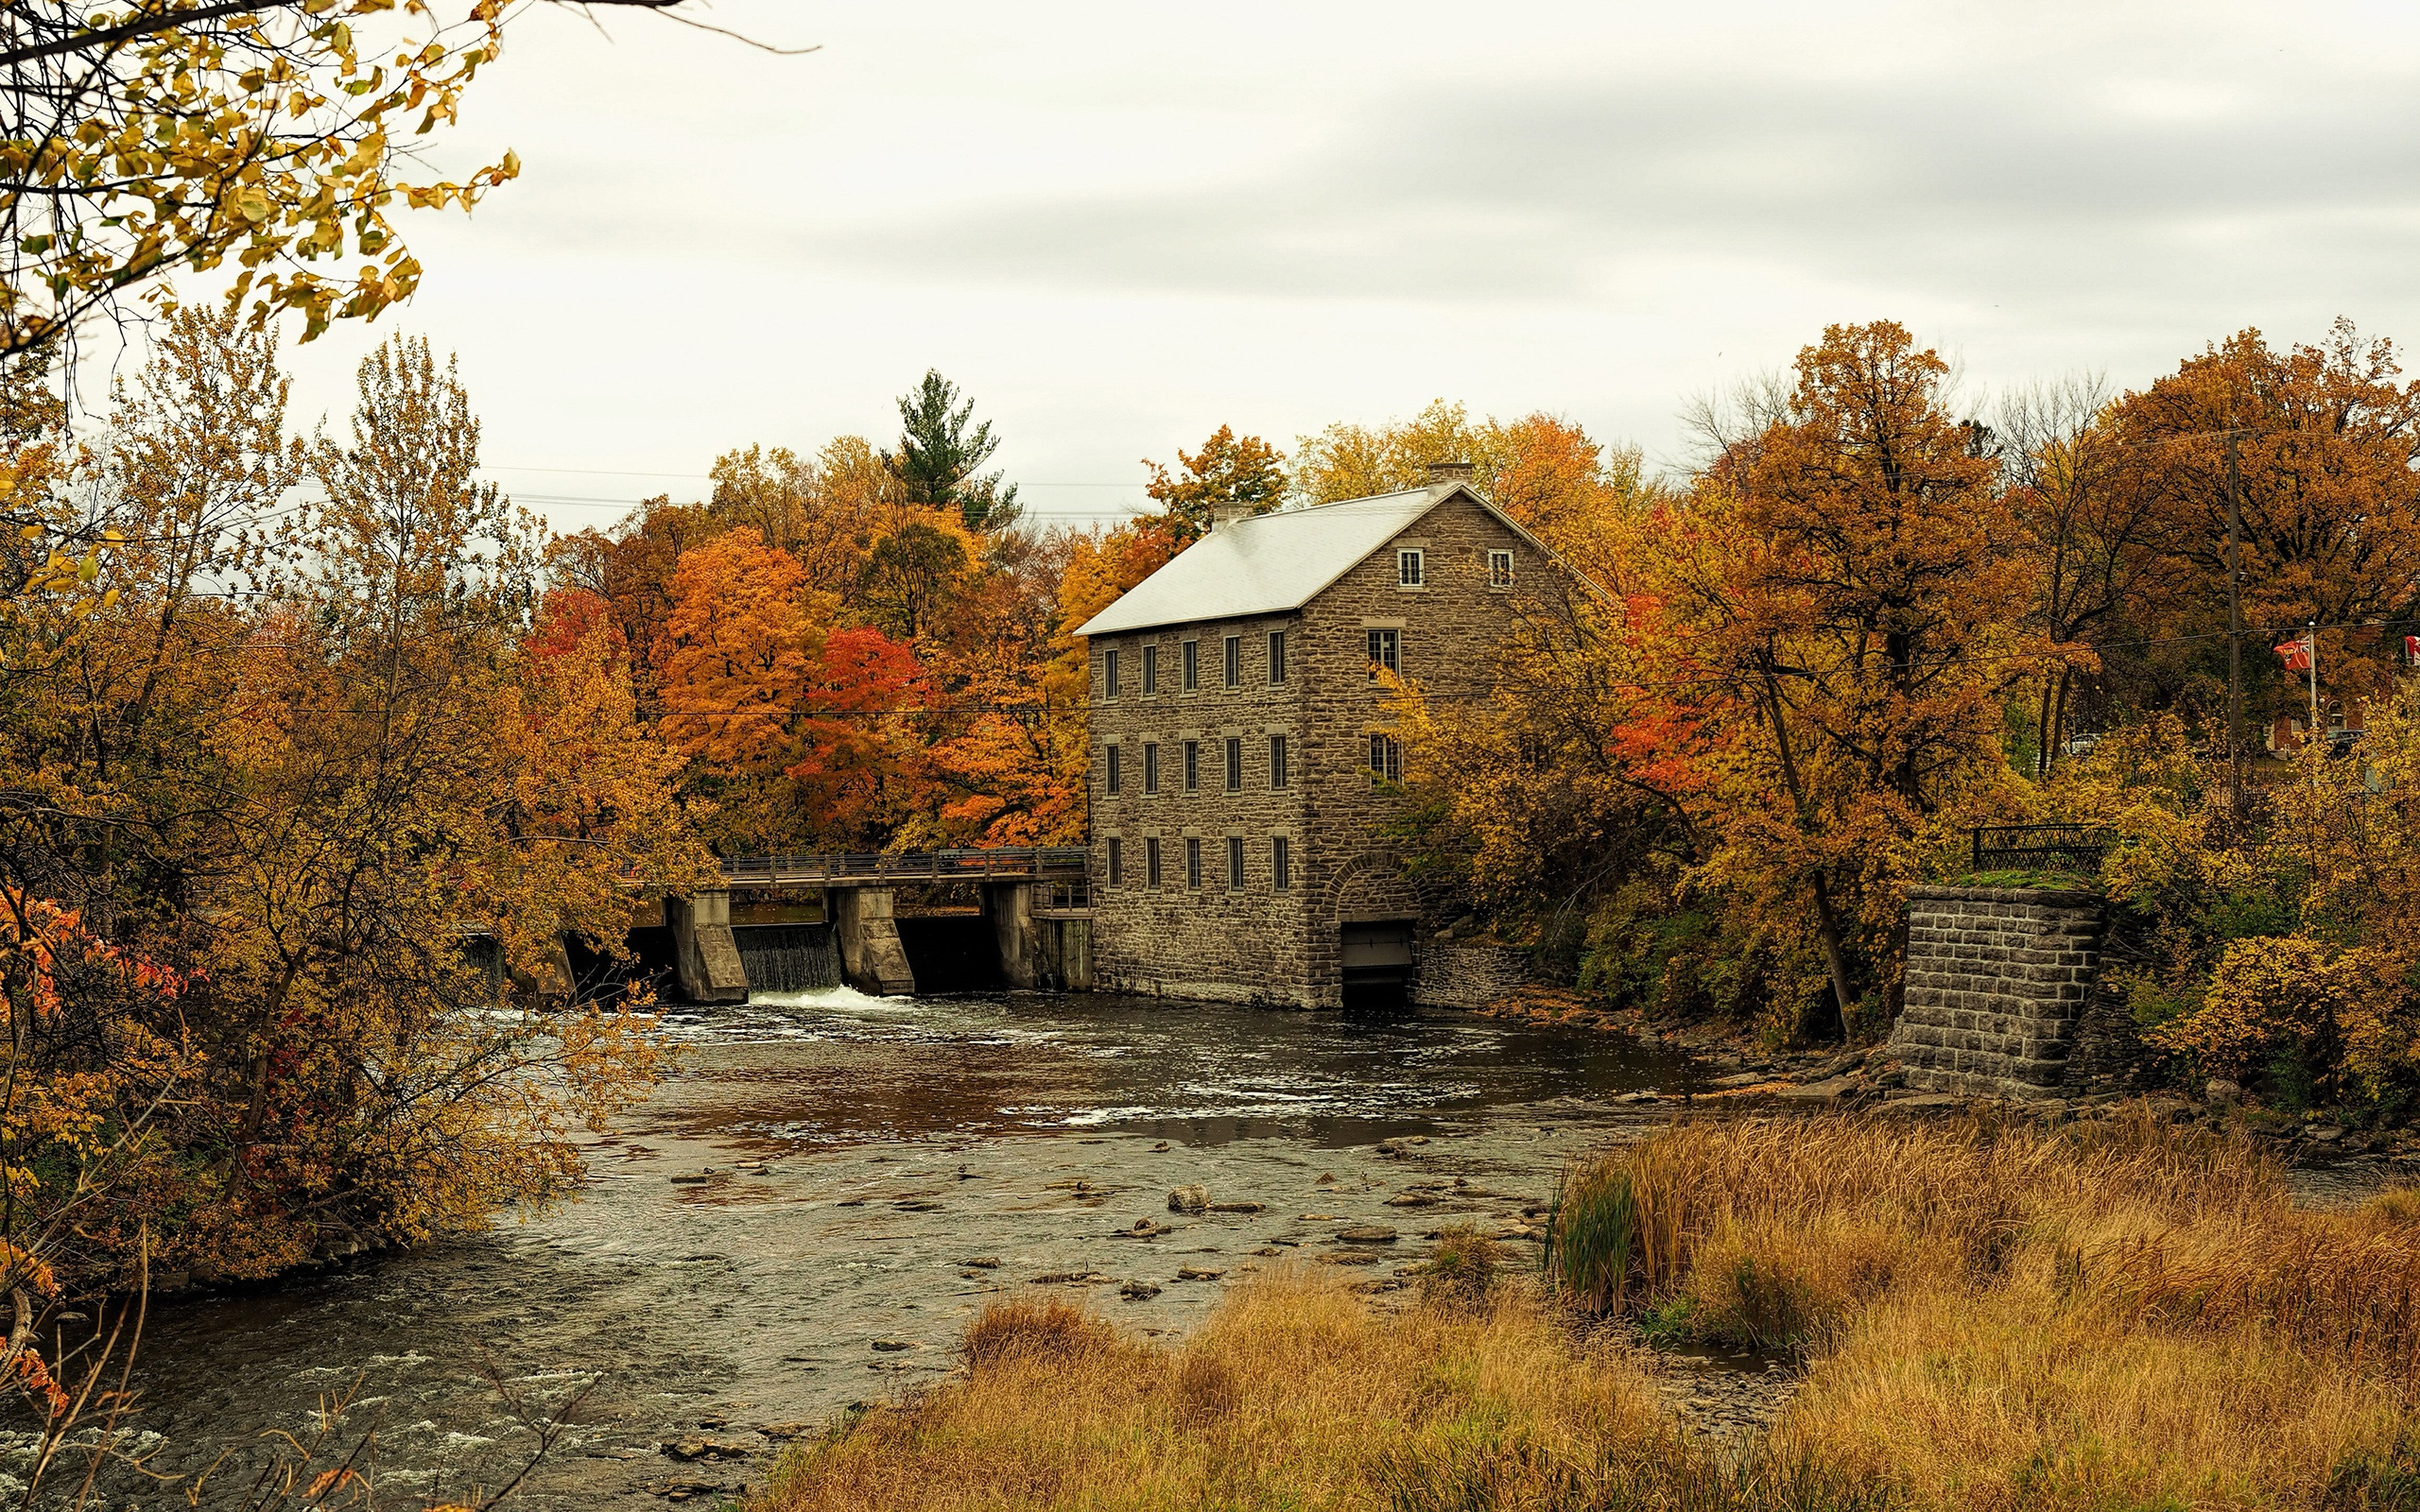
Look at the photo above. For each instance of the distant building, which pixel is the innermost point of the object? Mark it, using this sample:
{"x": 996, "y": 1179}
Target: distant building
{"x": 1241, "y": 751}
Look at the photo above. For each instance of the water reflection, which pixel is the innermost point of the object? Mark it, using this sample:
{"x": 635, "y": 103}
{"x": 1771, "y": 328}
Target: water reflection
{"x": 814, "y": 1179}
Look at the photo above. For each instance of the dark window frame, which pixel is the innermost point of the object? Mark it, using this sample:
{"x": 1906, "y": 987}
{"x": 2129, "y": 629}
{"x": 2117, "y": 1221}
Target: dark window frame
{"x": 1277, "y": 658}
{"x": 1188, "y": 660}
{"x": 1109, "y": 675}
{"x": 1235, "y": 863}
{"x": 1193, "y": 766}
{"x": 1281, "y": 767}
{"x": 1499, "y": 568}
{"x": 1117, "y": 861}
{"x": 1193, "y": 863}
{"x": 1386, "y": 757}
{"x": 1385, "y": 652}
{"x": 1113, "y": 765}
{"x": 1412, "y": 567}
{"x": 1152, "y": 861}
{"x": 1150, "y": 768}
{"x": 1231, "y": 751}
{"x": 1150, "y": 669}
{"x": 1281, "y": 863}
{"x": 1233, "y": 650}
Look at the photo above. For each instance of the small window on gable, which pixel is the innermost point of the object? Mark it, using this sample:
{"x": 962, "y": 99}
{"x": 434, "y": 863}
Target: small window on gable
{"x": 1409, "y": 569}
{"x": 1499, "y": 568}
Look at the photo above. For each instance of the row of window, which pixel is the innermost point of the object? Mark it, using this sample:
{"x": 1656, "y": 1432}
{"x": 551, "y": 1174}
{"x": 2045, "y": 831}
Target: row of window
{"x": 1385, "y": 649}
{"x": 1280, "y": 764}
{"x": 1281, "y": 863}
{"x": 1386, "y": 761}
{"x": 1189, "y": 665}
{"x": 1411, "y": 568}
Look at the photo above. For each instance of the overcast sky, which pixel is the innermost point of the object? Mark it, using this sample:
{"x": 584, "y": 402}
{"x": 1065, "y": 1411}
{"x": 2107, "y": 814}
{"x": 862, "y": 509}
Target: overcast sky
{"x": 1118, "y": 226}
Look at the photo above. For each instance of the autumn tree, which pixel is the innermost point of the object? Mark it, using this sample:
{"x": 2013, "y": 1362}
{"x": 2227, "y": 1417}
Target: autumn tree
{"x": 290, "y": 805}
{"x": 1840, "y": 587}
{"x": 2327, "y": 443}
{"x": 939, "y": 457}
{"x": 1244, "y": 474}
{"x": 2095, "y": 540}
{"x": 275, "y": 134}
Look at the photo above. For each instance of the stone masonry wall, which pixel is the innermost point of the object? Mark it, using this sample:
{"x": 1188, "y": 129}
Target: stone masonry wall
{"x": 1997, "y": 979}
{"x": 1450, "y": 632}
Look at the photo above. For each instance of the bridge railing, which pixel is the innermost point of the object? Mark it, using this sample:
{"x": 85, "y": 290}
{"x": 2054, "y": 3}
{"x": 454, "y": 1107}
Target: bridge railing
{"x": 1031, "y": 862}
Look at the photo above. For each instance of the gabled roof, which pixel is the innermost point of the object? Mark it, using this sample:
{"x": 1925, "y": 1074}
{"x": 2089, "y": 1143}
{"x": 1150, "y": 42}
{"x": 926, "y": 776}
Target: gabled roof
{"x": 1275, "y": 562}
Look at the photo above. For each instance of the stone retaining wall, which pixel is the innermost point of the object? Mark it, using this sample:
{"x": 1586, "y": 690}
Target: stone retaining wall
{"x": 1997, "y": 978}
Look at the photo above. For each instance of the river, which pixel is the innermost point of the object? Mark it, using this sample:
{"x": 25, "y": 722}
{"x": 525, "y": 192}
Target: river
{"x": 784, "y": 1228}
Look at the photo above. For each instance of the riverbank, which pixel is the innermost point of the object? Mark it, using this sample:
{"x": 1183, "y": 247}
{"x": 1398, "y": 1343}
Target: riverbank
{"x": 1988, "y": 1315}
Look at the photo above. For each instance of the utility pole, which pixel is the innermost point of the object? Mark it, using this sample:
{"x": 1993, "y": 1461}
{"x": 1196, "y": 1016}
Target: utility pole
{"x": 2234, "y": 624}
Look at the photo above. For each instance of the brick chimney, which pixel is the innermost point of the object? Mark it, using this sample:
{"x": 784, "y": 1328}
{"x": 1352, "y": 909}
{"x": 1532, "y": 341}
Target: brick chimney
{"x": 1450, "y": 471}
{"x": 1227, "y": 513}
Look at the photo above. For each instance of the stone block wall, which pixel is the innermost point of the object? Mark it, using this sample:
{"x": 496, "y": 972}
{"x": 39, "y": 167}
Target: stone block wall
{"x": 1463, "y": 974}
{"x": 1998, "y": 979}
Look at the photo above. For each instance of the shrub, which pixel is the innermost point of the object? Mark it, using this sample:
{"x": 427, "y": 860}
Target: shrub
{"x": 1462, "y": 1273}
{"x": 1030, "y": 1329}
{"x": 1592, "y": 1233}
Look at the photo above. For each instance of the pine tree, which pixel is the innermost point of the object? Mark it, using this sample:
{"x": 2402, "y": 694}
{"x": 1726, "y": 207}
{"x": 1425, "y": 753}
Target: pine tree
{"x": 938, "y": 455}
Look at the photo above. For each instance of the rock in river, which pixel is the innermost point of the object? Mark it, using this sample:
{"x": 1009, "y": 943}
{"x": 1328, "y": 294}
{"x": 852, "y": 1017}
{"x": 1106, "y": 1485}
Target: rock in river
{"x": 1189, "y": 1199}
{"x": 1367, "y": 1233}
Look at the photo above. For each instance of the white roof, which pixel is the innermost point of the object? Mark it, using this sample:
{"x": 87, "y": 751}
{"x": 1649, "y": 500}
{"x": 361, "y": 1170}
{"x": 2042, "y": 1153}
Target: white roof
{"x": 1269, "y": 564}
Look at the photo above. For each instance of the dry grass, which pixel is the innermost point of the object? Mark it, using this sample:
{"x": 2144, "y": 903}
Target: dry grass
{"x": 1293, "y": 1396}
{"x": 1998, "y": 1316}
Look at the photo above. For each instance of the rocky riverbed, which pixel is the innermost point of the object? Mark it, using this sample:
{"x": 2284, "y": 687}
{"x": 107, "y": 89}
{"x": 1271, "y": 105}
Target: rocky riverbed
{"x": 805, "y": 1216}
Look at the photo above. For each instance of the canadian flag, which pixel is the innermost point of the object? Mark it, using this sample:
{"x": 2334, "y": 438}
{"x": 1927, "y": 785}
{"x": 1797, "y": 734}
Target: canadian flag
{"x": 2412, "y": 650}
{"x": 2299, "y": 652}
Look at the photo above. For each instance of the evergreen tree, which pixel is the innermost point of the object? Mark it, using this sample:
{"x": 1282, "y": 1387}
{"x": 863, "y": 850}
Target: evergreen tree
{"x": 938, "y": 455}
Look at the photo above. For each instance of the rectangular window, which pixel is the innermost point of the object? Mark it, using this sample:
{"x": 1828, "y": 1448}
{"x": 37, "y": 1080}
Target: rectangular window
{"x": 1281, "y": 863}
{"x": 1386, "y": 758}
{"x": 1150, "y": 767}
{"x": 1152, "y": 860}
{"x": 1235, "y": 764}
{"x": 1189, "y": 658}
{"x": 1151, "y": 670}
{"x": 1279, "y": 775}
{"x": 1235, "y": 647}
{"x": 1193, "y": 865}
{"x": 1385, "y": 651}
{"x": 1408, "y": 566}
{"x": 1113, "y": 771}
{"x": 1276, "y": 657}
{"x": 1193, "y": 766}
{"x": 1235, "y": 863}
{"x": 1109, "y": 673}
{"x": 1499, "y": 568}
{"x": 1117, "y": 861}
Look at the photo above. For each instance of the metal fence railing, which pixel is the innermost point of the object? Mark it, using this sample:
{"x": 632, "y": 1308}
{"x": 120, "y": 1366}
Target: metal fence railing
{"x": 2077, "y": 848}
{"x": 1008, "y": 863}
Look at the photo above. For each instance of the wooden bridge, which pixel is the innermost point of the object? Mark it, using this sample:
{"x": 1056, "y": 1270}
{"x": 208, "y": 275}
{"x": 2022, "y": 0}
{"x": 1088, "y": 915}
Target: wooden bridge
{"x": 868, "y": 869}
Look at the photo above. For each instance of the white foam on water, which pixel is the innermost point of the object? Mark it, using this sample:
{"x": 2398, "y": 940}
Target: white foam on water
{"x": 832, "y": 1000}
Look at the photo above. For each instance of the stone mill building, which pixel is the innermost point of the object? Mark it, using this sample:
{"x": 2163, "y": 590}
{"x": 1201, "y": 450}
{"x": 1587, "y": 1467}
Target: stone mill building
{"x": 1243, "y": 757}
